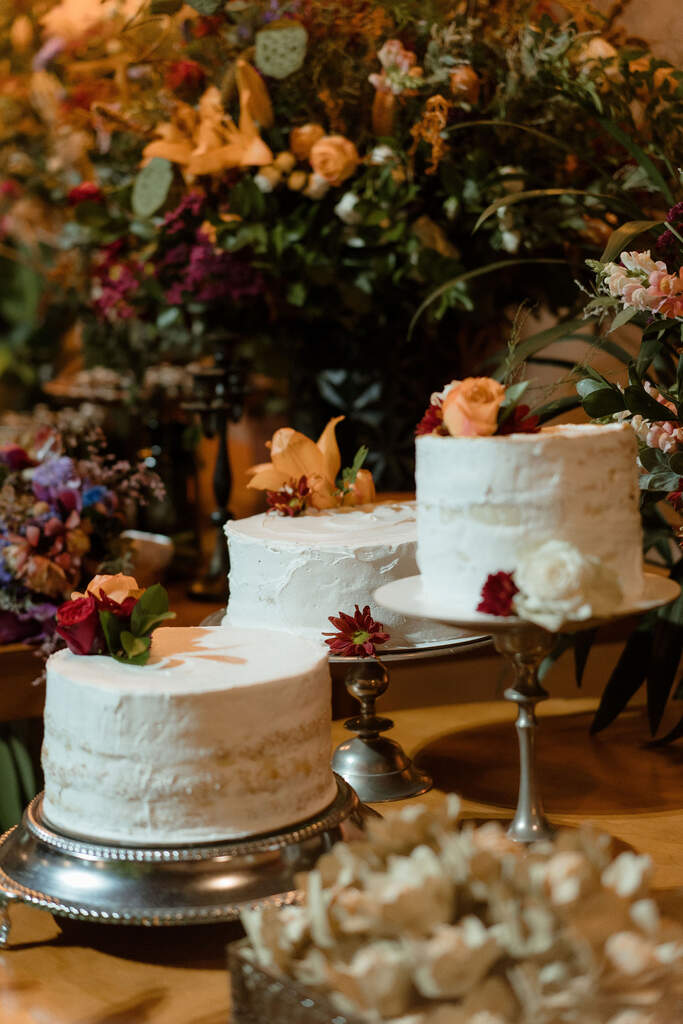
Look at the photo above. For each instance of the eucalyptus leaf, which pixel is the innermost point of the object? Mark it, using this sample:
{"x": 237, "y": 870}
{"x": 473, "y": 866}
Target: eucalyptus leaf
{"x": 639, "y": 402}
{"x": 603, "y": 402}
{"x": 675, "y": 463}
{"x": 151, "y": 186}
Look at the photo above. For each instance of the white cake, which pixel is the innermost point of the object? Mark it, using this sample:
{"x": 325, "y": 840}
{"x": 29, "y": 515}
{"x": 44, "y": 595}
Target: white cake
{"x": 224, "y": 733}
{"x": 292, "y": 573}
{"x": 485, "y": 502}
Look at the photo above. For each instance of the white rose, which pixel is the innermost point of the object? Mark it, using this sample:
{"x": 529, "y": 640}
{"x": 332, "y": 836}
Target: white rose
{"x": 510, "y": 240}
{"x": 346, "y": 208}
{"x": 381, "y": 155}
{"x": 558, "y": 584}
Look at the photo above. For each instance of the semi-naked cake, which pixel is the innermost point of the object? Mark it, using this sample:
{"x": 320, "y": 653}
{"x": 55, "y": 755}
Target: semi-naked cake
{"x": 292, "y": 573}
{"x": 224, "y": 733}
{"x": 485, "y": 503}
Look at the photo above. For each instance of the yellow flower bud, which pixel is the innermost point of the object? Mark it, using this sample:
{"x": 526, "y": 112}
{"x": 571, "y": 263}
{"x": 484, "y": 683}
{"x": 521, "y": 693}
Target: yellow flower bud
{"x": 285, "y": 162}
{"x": 297, "y": 180}
{"x": 21, "y": 33}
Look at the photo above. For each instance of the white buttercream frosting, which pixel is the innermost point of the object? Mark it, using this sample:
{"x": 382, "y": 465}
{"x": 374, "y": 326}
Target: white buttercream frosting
{"x": 487, "y": 504}
{"x": 292, "y": 573}
{"x": 224, "y": 733}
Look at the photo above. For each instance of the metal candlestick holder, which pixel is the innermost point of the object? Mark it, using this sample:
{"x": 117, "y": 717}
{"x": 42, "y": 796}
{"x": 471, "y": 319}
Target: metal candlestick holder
{"x": 220, "y": 391}
{"x": 375, "y": 765}
{"x": 524, "y": 645}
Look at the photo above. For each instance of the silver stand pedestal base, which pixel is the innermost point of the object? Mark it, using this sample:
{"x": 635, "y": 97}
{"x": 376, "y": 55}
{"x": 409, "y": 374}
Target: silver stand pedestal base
{"x": 525, "y": 648}
{"x": 199, "y": 884}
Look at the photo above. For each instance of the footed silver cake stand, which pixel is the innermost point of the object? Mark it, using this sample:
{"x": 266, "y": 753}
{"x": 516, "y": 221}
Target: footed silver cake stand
{"x": 524, "y": 645}
{"x": 375, "y": 765}
{"x": 198, "y": 884}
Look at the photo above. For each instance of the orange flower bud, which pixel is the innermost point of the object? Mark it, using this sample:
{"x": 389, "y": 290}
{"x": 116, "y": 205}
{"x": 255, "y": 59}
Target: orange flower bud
{"x": 465, "y": 84}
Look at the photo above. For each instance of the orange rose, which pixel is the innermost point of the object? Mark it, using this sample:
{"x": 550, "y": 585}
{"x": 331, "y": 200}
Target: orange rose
{"x": 465, "y": 84}
{"x": 470, "y": 409}
{"x": 117, "y": 587}
{"x": 334, "y": 158}
{"x": 301, "y": 139}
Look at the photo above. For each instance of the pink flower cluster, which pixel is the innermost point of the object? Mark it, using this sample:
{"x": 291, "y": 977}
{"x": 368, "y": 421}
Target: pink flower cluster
{"x": 667, "y": 435}
{"x": 397, "y": 63}
{"x": 645, "y": 284}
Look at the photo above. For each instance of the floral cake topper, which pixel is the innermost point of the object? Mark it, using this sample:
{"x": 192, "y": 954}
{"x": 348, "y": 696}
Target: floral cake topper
{"x": 478, "y": 407}
{"x": 305, "y": 474}
{"x": 553, "y": 583}
{"x": 114, "y": 616}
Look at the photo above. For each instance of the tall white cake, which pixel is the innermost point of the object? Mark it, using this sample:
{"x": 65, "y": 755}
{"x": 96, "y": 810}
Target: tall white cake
{"x": 485, "y": 502}
{"x": 224, "y": 733}
{"x": 292, "y": 573}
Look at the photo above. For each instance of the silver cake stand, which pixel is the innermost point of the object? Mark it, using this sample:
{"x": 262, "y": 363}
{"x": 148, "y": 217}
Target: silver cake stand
{"x": 375, "y": 765}
{"x": 524, "y": 645}
{"x": 198, "y": 884}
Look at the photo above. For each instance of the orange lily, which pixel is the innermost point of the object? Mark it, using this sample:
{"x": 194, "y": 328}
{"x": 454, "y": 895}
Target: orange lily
{"x": 293, "y": 455}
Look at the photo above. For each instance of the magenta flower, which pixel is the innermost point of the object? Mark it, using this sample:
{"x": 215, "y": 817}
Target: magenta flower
{"x": 357, "y": 635}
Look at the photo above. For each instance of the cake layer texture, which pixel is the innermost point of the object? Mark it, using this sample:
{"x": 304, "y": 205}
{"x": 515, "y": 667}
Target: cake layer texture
{"x": 292, "y": 573}
{"x": 483, "y": 503}
{"x": 224, "y": 733}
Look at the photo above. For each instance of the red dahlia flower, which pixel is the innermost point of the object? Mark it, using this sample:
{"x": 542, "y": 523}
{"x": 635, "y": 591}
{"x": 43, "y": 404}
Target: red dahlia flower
{"x": 497, "y": 594}
{"x": 185, "y": 74}
{"x": 357, "y": 635}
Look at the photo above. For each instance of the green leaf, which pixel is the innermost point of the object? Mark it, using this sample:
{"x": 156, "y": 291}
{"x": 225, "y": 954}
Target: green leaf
{"x": 639, "y": 402}
{"x": 640, "y": 156}
{"x": 151, "y": 186}
{"x": 583, "y": 642}
{"x": 351, "y": 472}
{"x": 11, "y": 803}
{"x": 24, "y": 765}
{"x": 296, "y": 294}
{"x": 667, "y": 646}
{"x": 555, "y": 408}
{"x": 675, "y": 462}
{"x": 151, "y": 610}
{"x": 111, "y": 627}
{"x": 470, "y": 275}
{"x": 134, "y": 646}
{"x": 623, "y": 317}
{"x": 535, "y": 193}
{"x": 650, "y": 458}
{"x": 624, "y": 235}
{"x": 601, "y": 401}
{"x": 206, "y": 7}
{"x": 626, "y": 679}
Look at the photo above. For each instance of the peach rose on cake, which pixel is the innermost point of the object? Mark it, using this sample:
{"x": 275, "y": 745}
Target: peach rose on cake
{"x": 334, "y": 158}
{"x": 470, "y": 409}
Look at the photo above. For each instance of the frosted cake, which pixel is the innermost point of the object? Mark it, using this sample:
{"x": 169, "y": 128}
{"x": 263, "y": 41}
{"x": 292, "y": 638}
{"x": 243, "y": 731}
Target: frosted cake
{"x": 224, "y": 733}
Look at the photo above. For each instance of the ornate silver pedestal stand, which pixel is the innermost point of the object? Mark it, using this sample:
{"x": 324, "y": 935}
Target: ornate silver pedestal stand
{"x": 524, "y": 645}
{"x": 376, "y": 766}
{"x": 205, "y": 883}
{"x": 525, "y": 648}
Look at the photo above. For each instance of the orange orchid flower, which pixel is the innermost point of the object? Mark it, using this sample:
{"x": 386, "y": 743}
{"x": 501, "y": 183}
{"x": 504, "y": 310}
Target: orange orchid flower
{"x": 293, "y": 455}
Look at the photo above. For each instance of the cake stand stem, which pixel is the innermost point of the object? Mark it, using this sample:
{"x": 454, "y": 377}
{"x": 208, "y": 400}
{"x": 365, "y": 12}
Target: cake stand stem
{"x": 525, "y": 648}
{"x": 376, "y": 766}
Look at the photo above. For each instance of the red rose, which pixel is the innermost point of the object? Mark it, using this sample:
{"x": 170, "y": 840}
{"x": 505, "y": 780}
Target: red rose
{"x": 185, "y": 74}
{"x": 79, "y": 625}
{"x": 497, "y": 594}
{"x": 87, "y": 191}
{"x": 122, "y": 609}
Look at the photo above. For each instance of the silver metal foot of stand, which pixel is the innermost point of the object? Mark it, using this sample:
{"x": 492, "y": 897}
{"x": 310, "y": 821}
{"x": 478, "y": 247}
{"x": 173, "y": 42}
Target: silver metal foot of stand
{"x": 525, "y": 648}
{"x": 377, "y": 767}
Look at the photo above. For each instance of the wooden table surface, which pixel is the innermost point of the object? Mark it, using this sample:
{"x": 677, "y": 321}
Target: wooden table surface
{"x": 89, "y": 974}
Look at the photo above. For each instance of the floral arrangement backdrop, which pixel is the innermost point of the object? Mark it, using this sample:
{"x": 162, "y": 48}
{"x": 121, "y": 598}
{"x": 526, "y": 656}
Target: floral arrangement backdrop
{"x": 317, "y": 177}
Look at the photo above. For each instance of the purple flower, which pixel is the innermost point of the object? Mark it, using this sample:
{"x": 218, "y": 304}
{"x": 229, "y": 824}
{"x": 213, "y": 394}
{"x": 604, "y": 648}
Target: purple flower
{"x": 190, "y": 207}
{"x": 210, "y": 276}
{"x": 55, "y": 479}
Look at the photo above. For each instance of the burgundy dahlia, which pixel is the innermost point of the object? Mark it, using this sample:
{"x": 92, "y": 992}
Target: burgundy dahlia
{"x": 497, "y": 594}
{"x": 520, "y": 422}
{"x": 357, "y": 635}
{"x": 87, "y": 191}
